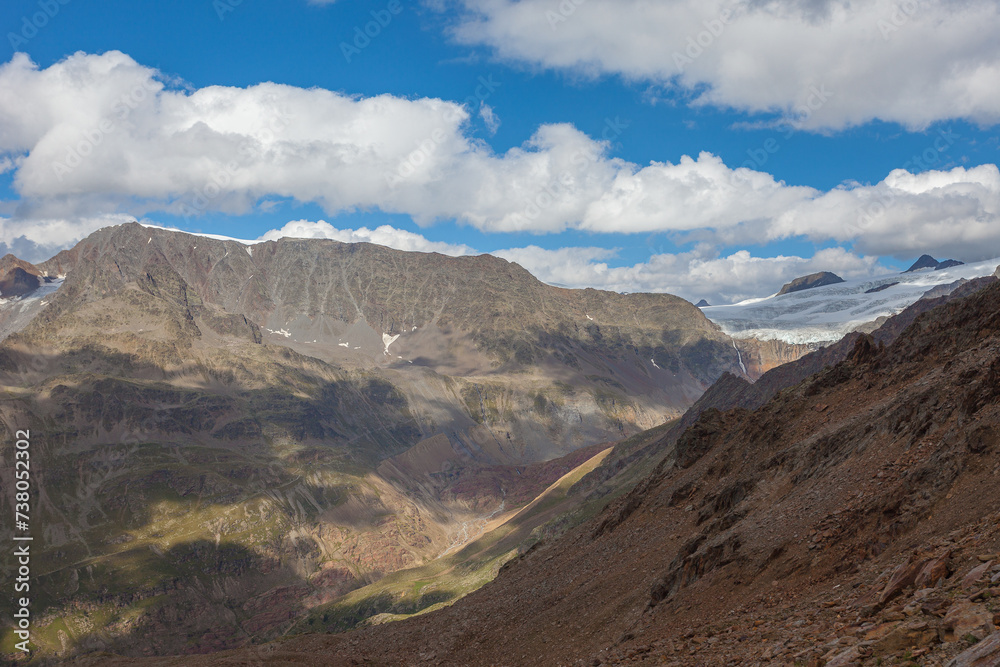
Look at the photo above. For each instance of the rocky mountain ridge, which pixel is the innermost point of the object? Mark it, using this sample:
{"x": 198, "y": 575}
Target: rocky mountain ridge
{"x": 237, "y": 434}
{"x": 850, "y": 519}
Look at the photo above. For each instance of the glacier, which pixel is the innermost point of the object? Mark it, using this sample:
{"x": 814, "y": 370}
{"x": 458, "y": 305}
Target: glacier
{"x": 823, "y": 315}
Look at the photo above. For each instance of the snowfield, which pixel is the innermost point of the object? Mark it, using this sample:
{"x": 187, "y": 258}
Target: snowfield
{"x": 17, "y": 312}
{"x": 826, "y": 314}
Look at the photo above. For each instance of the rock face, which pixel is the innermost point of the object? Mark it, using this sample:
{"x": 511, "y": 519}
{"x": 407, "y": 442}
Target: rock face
{"x": 947, "y": 264}
{"x": 983, "y": 654}
{"x": 760, "y": 356}
{"x": 18, "y": 282}
{"x": 853, "y": 518}
{"x": 9, "y": 262}
{"x": 235, "y": 433}
{"x": 811, "y": 281}
{"x": 923, "y": 262}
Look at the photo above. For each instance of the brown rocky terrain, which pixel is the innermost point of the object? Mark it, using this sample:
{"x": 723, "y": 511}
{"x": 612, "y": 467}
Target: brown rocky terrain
{"x": 852, "y": 518}
{"x": 760, "y": 356}
{"x": 9, "y": 262}
{"x": 18, "y": 277}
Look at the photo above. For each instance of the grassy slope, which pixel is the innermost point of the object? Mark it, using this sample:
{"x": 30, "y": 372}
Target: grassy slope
{"x": 570, "y": 501}
{"x": 441, "y": 582}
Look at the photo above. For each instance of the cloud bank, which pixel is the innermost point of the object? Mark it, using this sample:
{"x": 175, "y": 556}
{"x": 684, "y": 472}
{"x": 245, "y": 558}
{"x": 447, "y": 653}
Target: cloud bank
{"x": 829, "y": 64}
{"x": 95, "y": 136}
{"x": 698, "y": 274}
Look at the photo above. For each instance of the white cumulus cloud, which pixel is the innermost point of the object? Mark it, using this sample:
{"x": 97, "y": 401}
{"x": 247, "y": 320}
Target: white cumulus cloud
{"x": 384, "y": 235}
{"x": 827, "y": 63}
{"x": 95, "y": 135}
{"x": 698, "y": 274}
{"x": 38, "y": 239}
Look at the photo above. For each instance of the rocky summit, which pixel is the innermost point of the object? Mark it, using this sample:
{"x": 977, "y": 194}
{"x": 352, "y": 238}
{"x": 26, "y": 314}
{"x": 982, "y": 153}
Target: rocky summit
{"x": 928, "y": 262}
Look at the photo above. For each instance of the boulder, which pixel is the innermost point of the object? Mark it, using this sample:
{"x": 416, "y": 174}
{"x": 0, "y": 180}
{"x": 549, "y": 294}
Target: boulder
{"x": 984, "y": 654}
{"x": 901, "y": 578}
{"x": 849, "y": 656}
{"x": 966, "y": 618}
{"x": 932, "y": 572}
{"x": 916, "y": 634}
{"x": 976, "y": 574}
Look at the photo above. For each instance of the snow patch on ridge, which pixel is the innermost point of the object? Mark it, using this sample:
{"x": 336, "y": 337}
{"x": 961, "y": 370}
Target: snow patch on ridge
{"x": 388, "y": 340}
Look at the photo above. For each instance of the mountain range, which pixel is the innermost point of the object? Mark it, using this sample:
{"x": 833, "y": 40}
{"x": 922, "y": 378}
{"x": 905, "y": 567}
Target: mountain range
{"x": 843, "y": 510}
{"x": 235, "y": 434}
{"x": 238, "y": 442}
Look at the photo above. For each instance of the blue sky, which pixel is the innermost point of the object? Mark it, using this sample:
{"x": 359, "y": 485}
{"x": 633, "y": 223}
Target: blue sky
{"x": 818, "y": 122}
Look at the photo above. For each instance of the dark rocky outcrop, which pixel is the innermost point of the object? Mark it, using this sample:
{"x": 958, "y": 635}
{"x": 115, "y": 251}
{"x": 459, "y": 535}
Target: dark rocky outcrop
{"x": 880, "y": 288}
{"x": 18, "y": 282}
{"x": 809, "y": 282}
{"x": 947, "y": 264}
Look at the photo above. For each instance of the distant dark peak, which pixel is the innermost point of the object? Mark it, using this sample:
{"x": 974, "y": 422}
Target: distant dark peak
{"x": 948, "y": 263}
{"x": 811, "y": 281}
{"x": 880, "y": 288}
{"x": 702, "y": 304}
{"x": 928, "y": 262}
{"x": 925, "y": 262}
{"x": 18, "y": 282}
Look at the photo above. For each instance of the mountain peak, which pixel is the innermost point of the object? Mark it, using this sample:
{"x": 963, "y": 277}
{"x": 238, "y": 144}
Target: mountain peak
{"x": 809, "y": 282}
{"x": 18, "y": 282}
{"x": 928, "y": 262}
{"x": 9, "y": 262}
{"x": 923, "y": 262}
{"x": 18, "y": 277}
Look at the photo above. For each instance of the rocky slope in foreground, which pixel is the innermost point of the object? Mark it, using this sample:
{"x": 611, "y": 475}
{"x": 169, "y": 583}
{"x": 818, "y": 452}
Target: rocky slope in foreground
{"x": 853, "y": 519}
